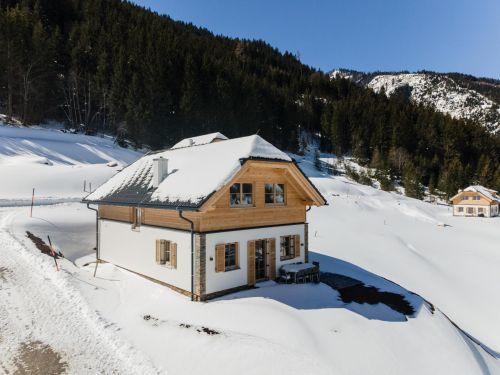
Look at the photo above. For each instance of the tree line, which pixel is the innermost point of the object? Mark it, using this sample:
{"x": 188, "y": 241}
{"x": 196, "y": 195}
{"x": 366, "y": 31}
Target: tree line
{"x": 111, "y": 66}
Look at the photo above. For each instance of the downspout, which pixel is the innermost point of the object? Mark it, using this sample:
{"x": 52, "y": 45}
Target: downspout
{"x": 192, "y": 251}
{"x": 96, "y": 236}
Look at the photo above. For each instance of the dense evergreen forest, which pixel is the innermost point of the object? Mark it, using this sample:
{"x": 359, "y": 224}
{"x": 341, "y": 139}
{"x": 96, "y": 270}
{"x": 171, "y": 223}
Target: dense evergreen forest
{"x": 111, "y": 66}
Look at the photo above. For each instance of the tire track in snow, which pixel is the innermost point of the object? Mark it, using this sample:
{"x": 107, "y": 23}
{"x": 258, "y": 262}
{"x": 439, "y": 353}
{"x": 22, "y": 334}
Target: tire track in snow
{"x": 38, "y": 303}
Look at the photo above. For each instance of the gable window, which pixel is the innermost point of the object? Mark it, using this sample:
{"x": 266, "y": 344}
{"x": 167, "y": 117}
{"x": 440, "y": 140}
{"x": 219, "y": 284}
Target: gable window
{"x": 166, "y": 253}
{"x": 241, "y": 194}
{"x": 226, "y": 257}
{"x": 274, "y": 193}
{"x": 289, "y": 247}
{"x": 476, "y": 197}
{"x": 465, "y": 198}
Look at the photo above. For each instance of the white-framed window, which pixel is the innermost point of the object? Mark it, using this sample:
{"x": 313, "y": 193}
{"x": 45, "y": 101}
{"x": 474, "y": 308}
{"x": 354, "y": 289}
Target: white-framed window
{"x": 241, "y": 194}
{"x": 476, "y": 198}
{"x": 460, "y": 209}
{"x": 480, "y": 210}
{"x": 289, "y": 247}
{"x": 274, "y": 193}
{"x": 166, "y": 253}
{"x": 470, "y": 210}
{"x": 230, "y": 256}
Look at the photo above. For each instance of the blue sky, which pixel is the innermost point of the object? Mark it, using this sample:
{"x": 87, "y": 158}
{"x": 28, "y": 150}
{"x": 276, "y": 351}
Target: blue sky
{"x": 367, "y": 35}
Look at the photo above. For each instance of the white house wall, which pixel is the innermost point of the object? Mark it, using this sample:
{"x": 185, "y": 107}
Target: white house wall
{"x": 488, "y": 211}
{"x": 217, "y": 281}
{"x": 136, "y": 251}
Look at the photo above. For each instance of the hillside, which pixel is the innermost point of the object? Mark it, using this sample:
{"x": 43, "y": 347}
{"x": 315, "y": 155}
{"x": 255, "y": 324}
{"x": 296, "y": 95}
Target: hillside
{"x": 121, "y": 323}
{"x": 458, "y": 95}
{"x": 112, "y": 67}
{"x": 55, "y": 164}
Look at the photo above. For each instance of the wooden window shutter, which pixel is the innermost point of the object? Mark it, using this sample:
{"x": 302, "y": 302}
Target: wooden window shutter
{"x": 297, "y": 246}
{"x": 220, "y": 258}
{"x": 158, "y": 251}
{"x": 173, "y": 254}
{"x": 237, "y": 255}
{"x": 271, "y": 248}
{"x": 251, "y": 262}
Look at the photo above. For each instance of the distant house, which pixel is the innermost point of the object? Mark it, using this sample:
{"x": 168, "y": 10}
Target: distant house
{"x": 476, "y": 201}
{"x": 210, "y": 216}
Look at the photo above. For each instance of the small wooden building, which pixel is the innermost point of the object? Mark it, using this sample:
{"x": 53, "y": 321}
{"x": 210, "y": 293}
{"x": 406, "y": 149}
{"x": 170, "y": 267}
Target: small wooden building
{"x": 476, "y": 200}
{"x": 209, "y": 216}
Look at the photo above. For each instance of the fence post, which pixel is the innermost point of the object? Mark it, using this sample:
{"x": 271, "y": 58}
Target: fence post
{"x": 32, "y": 201}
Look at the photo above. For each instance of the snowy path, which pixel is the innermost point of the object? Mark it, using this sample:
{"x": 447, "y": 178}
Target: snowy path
{"x": 39, "y": 304}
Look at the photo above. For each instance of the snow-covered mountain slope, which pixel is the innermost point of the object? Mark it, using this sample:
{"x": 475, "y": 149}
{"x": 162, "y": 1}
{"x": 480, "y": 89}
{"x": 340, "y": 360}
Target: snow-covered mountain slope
{"x": 56, "y": 164}
{"x": 440, "y": 91}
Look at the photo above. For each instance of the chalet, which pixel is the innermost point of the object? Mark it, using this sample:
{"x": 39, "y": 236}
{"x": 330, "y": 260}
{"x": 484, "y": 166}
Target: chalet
{"x": 476, "y": 201}
{"x": 209, "y": 216}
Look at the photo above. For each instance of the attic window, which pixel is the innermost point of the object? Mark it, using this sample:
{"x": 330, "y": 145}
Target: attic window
{"x": 274, "y": 193}
{"x": 241, "y": 195}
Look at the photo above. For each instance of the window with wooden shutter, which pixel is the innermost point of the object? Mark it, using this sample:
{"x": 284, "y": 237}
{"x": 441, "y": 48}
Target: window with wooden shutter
{"x": 227, "y": 257}
{"x": 287, "y": 247}
{"x": 166, "y": 253}
{"x": 220, "y": 258}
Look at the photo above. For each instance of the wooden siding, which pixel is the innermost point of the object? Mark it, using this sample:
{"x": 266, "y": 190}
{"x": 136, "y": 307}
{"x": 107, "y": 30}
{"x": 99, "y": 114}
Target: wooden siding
{"x": 481, "y": 202}
{"x": 218, "y": 215}
{"x": 120, "y": 213}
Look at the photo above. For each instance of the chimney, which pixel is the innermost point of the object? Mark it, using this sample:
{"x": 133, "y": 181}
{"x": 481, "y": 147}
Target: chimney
{"x": 160, "y": 170}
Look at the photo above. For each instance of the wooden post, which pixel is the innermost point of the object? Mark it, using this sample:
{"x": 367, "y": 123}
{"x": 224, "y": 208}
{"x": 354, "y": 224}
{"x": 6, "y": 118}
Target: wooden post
{"x": 32, "y": 201}
{"x": 53, "y": 253}
{"x": 85, "y": 185}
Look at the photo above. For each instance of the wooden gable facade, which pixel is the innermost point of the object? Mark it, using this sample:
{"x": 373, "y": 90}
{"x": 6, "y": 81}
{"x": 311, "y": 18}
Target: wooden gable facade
{"x": 216, "y": 214}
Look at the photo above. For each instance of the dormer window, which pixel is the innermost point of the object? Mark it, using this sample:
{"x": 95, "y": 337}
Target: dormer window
{"x": 241, "y": 194}
{"x": 274, "y": 193}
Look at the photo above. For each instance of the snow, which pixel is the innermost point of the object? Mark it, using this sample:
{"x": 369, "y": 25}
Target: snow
{"x": 119, "y": 322}
{"x": 194, "y": 172}
{"x": 56, "y": 164}
{"x": 199, "y": 140}
{"x": 404, "y": 240}
{"x": 444, "y": 94}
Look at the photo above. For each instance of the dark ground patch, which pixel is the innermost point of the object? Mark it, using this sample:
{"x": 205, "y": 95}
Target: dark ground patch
{"x": 4, "y": 273}
{"x": 41, "y": 245}
{"x": 202, "y": 329}
{"x": 35, "y": 357}
{"x": 352, "y": 290}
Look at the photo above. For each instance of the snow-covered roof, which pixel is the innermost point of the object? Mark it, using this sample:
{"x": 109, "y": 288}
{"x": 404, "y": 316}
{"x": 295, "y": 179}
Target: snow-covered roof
{"x": 194, "y": 173}
{"x": 199, "y": 140}
{"x": 488, "y": 193}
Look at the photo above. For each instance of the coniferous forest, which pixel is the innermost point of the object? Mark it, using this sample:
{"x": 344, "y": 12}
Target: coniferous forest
{"x": 111, "y": 66}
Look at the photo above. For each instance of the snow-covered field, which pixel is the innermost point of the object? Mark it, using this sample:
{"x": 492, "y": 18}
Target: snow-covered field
{"x": 56, "y": 164}
{"x": 121, "y": 323}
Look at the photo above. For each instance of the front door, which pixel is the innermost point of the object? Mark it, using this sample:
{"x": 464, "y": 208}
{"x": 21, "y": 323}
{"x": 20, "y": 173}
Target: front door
{"x": 260, "y": 259}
